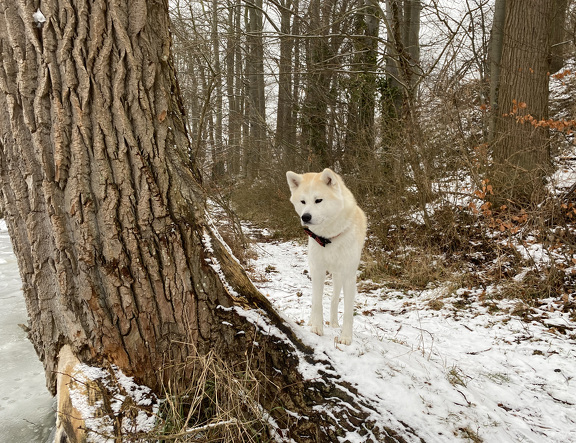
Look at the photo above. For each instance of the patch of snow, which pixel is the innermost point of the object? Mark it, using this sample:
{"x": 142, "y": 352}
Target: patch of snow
{"x": 448, "y": 373}
{"x": 39, "y": 18}
{"x": 213, "y": 262}
{"x": 121, "y": 391}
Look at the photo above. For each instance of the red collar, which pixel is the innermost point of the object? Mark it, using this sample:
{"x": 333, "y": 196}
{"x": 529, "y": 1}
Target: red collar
{"x": 322, "y": 241}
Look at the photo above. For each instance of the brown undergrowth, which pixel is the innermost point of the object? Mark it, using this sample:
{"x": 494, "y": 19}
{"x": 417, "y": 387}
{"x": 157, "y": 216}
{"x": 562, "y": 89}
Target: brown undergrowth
{"x": 529, "y": 254}
{"x": 217, "y": 404}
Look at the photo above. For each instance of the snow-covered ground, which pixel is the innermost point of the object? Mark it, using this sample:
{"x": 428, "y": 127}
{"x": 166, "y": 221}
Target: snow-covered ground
{"x": 441, "y": 360}
{"x": 451, "y": 373}
{"x": 26, "y": 408}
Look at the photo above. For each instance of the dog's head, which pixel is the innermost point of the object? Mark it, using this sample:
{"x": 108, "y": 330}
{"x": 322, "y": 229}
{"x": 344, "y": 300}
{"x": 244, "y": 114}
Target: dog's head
{"x": 317, "y": 197}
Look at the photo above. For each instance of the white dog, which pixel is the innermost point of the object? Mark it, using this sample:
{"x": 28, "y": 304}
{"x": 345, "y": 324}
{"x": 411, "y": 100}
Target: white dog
{"x": 337, "y": 228}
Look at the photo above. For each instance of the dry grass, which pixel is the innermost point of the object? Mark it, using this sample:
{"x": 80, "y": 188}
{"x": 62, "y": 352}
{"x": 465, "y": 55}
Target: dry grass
{"x": 407, "y": 269}
{"x": 215, "y": 404}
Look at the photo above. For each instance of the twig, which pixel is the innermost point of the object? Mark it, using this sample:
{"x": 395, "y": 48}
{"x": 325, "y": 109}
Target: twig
{"x": 569, "y": 191}
{"x": 193, "y": 431}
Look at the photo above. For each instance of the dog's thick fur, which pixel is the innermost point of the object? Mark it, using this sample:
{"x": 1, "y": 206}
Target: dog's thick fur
{"x": 328, "y": 209}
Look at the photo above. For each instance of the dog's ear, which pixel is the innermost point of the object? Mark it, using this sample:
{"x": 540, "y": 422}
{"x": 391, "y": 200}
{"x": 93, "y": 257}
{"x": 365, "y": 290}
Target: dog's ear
{"x": 294, "y": 180}
{"x": 329, "y": 177}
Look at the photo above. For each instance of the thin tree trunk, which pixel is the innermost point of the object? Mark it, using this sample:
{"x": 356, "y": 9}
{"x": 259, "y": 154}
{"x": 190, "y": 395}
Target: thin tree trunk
{"x": 412, "y": 9}
{"x": 496, "y": 38}
{"x": 360, "y": 132}
{"x": 318, "y": 88}
{"x": 403, "y": 65}
{"x": 403, "y": 61}
{"x": 218, "y": 156}
{"x": 256, "y": 108}
{"x": 294, "y": 134}
{"x": 233, "y": 82}
{"x": 285, "y": 143}
{"x": 394, "y": 19}
{"x": 558, "y": 42}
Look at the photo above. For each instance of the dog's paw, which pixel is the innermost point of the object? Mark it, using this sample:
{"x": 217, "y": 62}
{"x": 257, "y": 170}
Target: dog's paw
{"x": 344, "y": 340}
{"x": 318, "y": 330}
{"x": 334, "y": 324}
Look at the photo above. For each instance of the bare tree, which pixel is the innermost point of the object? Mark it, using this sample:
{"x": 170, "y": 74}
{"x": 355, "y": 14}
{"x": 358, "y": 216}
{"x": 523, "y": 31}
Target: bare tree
{"x": 360, "y": 129}
{"x": 403, "y": 61}
{"x": 234, "y": 80}
{"x": 327, "y": 51}
{"x": 496, "y": 39}
{"x": 256, "y": 141}
{"x": 318, "y": 85}
{"x": 218, "y": 150}
{"x": 285, "y": 117}
{"x": 193, "y": 46}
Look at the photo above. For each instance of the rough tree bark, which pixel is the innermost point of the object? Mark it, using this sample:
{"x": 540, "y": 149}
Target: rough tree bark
{"x": 521, "y": 151}
{"x": 118, "y": 261}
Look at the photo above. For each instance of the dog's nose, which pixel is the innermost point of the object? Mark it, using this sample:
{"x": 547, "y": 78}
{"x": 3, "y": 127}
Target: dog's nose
{"x": 306, "y": 217}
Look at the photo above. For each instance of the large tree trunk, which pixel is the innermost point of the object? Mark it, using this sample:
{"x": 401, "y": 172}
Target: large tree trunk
{"x": 522, "y": 151}
{"x": 106, "y": 214}
{"x": 100, "y": 203}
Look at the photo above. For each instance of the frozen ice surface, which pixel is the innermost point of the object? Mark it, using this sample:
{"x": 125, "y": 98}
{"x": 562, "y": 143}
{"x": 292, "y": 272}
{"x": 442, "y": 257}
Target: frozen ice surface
{"x": 26, "y": 407}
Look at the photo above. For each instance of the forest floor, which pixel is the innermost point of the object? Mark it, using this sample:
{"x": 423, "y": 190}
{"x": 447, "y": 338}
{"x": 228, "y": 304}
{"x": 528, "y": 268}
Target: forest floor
{"x": 454, "y": 362}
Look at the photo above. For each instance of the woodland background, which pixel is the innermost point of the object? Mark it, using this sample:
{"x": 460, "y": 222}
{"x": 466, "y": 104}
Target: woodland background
{"x": 438, "y": 114}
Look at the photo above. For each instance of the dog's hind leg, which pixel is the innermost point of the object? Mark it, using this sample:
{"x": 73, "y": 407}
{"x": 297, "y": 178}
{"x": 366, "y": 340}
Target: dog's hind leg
{"x": 337, "y": 281}
{"x": 349, "y": 284}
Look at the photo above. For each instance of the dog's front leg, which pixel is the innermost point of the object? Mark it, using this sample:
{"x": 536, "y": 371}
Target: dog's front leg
{"x": 337, "y": 282}
{"x": 349, "y": 294}
{"x": 318, "y": 275}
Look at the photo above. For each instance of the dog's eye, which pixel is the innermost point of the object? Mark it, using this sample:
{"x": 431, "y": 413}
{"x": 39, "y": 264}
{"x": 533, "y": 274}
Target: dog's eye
{"x": 318, "y": 200}
{"x": 303, "y": 202}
